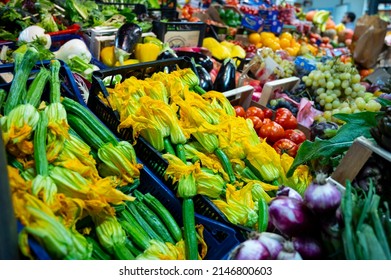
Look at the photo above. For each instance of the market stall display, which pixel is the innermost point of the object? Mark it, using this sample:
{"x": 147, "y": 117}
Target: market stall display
{"x": 223, "y": 131}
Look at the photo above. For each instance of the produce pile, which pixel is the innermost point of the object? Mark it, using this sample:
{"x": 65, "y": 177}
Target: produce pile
{"x": 266, "y": 171}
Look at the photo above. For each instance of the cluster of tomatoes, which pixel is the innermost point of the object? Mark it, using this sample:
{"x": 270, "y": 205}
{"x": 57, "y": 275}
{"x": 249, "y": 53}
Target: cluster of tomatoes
{"x": 279, "y": 129}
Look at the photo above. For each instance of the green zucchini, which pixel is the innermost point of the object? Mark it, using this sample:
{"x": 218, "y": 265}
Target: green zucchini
{"x": 137, "y": 235}
{"x": 154, "y": 221}
{"x": 180, "y": 152}
{"x": 142, "y": 222}
{"x": 3, "y": 95}
{"x": 85, "y": 132}
{"x": 55, "y": 84}
{"x": 41, "y": 161}
{"x": 263, "y": 215}
{"x": 168, "y": 147}
{"x": 36, "y": 88}
{"x": 97, "y": 251}
{"x": 155, "y": 205}
{"x": 90, "y": 119}
{"x": 190, "y": 234}
{"x": 21, "y": 75}
{"x": 226, "y": 163}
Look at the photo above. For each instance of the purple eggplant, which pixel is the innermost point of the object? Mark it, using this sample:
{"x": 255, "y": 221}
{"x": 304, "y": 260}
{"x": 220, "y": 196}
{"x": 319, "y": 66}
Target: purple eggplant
{"x": 225, "y": 78}
{"x": 204, "y": 77}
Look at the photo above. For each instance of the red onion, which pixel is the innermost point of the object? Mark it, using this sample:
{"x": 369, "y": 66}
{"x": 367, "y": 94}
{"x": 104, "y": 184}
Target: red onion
{"x": 290, "y": 216}
{"x": 250, "y": 250}
{"x": 273, "y": 242}
{"x": 321, "y": 196}
{"x": 308, "y": 247}
{"x": 289, "y": 252}
{"x": 288, "y": 191}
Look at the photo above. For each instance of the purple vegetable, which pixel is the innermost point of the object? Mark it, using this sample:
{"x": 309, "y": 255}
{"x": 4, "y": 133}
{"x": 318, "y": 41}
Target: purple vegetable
{"x": 321, "y": 196}
{"x": 290, "y": 216}
{"x": 250, "y": 250}
{"x": 289, "y": 252}
{"x": 273, "y": 242}
{"x": 288, "y": 191}
{"x": 308, "y": 247}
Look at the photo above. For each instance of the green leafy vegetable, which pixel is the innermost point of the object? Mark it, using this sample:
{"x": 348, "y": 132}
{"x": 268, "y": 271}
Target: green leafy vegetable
{"x": 356, "y": 125}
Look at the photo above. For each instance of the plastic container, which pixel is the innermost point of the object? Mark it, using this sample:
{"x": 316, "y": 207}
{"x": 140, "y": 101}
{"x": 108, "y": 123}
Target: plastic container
{"x": 68, "y": 84}
{"x": 167, "y": 8}
{"x": 145, "y": 152}
{"x": 219, "y": 237}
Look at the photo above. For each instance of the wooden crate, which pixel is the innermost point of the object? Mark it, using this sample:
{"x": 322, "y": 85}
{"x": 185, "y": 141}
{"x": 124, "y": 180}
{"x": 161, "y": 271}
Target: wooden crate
{"x": 355, "y": 158}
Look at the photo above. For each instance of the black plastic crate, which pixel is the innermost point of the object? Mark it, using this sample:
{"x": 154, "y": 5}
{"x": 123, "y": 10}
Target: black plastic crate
{"x": 167, "y": 8}
{"x": 145, "y": 151}
{"x": 180, "y": 33}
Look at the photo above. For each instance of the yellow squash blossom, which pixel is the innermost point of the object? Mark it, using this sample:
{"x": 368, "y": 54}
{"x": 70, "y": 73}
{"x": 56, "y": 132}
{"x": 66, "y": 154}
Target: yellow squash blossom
{"x": 57, "y": 131}
{"x": 300, "y": 179}
{"x": 266, "y": 160}
{"x": 159, "y": 250}
{"x": 218, "y": 101}
{"x": 119, "y": 160}
{"x": 239, "y": 207}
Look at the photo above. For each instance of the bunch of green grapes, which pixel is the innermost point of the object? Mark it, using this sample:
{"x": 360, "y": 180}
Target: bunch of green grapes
{"x": 286, "y": 67}
{"x": 337, "y": 88}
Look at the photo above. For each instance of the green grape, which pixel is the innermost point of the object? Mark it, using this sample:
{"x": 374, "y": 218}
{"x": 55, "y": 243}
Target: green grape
{"x": 356, "y": 78}
{"x": 336, "y": 103}
{"x": 308, "y": 82}
{"x": 330, "y": 85}
{"x": 323, "y": 96}
{"x": 360, "y": 103}
{"x": 337, "y": 82}
{"x": 328, "y": 99}
{"x": 320, "y": 91}
{"x": 348, "y": 90}
{"x": 322, "y": 102}
{"x": 327, "y": 115}
{"x": 345, "y": 84}
{"x": 328, "y": 106}
{"x": 345, "y": 110}
{"x": 372, "y": 106}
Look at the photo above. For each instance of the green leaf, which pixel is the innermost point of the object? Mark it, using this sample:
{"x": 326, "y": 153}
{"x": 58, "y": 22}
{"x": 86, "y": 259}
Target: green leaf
{"x": 384, "y": 102}
{"x": 356, "y": 125}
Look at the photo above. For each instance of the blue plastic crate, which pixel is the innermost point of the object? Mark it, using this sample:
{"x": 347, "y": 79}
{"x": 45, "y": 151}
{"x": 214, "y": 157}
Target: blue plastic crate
{"x": 68, "y": 84}
{"x": 219, "y": 237}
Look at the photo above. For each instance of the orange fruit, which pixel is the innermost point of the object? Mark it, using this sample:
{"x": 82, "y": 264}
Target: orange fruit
{"x": 265, "y": 35}
{"x": 259, "y": 45}
{"x": 254, "y": 38}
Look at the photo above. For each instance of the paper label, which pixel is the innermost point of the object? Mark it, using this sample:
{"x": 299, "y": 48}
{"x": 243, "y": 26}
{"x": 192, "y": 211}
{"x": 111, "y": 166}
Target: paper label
{"x": 182, "y": 38}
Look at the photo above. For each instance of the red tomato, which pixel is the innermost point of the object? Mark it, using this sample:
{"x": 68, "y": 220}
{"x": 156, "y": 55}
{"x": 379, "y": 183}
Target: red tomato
{"x": 287, "y": 121}
{"x": 268, "y": 113}
{"x": 255, "y": 111}
{"x": 239, "y": 110}
{"x": 281, "y": 111}
{"x": 295, "y": 135}
{"x": 272, "y": 131}
{"x": 266, "y": 120}
{"x": 286, "y": 146}
{"x": 257, "y": 122}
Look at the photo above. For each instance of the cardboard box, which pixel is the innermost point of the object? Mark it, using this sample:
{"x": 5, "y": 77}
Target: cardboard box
{"x": 252, "y": 22}
{"x": 99, "y": 37}
{"x": 268, "y": 14}
{"x": 274, "y": 26}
